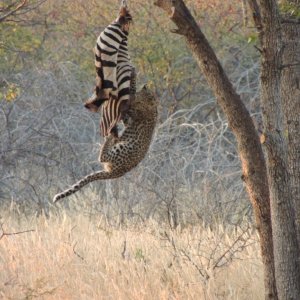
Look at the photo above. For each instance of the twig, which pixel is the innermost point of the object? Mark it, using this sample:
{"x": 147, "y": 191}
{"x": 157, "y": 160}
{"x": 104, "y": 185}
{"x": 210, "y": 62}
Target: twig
{"x": 2, "y": 18}
{"x": 12, "y": 233}
{"x": 290, "y": 21}
{"x": 76, "y": 253}
{"x": 258, "y": 49}
{"x": 124, "y": 249}
{"x": 289, "y": 65}
{"x": 182, "y": 252}
{"x": 202, "y": 272}
{"x": 231, "y": 249}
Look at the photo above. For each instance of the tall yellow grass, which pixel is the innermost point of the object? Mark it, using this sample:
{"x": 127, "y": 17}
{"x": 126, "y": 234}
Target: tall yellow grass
{"x": 80, "y": 258}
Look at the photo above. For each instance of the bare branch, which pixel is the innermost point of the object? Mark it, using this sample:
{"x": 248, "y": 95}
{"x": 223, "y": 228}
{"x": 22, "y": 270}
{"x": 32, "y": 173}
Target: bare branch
{"x": 76, "y": 253}
{"x": 239, "y": 243}
{"x": 124, "y": 249}
{"x": 12, "y": 233}
{"x": 13, "y": 11}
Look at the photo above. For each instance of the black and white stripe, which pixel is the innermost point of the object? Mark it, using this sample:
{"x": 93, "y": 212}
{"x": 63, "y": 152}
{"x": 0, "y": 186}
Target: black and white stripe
{"x": 114, "y": 73}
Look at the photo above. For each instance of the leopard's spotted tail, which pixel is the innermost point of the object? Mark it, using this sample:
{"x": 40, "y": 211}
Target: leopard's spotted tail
{"x": 101, "y": 175}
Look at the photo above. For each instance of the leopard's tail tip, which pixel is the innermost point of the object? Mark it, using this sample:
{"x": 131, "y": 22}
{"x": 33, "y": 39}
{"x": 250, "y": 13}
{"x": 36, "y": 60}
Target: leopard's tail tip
{"x": 56, "y": 198}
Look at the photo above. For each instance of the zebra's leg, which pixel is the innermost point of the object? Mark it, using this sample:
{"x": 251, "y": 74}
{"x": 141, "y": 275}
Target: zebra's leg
{"x": 133, "y": 81}
{"x": 98, "y": 97}
{"x": 93, "y": 103}
{"x": 125, "y": 105}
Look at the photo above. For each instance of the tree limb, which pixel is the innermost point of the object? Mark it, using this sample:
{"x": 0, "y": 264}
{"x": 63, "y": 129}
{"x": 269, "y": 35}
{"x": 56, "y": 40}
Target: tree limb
{"x": 18, "y": 7}
{"x": 255, "y": 14}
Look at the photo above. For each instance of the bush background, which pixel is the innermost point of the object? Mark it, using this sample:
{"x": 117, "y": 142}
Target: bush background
{"x": 187, "y": 190}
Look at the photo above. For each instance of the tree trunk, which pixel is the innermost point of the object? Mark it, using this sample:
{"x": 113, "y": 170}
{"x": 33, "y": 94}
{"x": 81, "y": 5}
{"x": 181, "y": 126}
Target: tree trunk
{"x": 286, "y": 252}
{"x": 290, "y": 93}
{"x": 250, "y": 151}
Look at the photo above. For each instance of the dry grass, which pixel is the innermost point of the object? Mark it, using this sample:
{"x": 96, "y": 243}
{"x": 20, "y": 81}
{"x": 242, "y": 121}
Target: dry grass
{"x": 80, "y": 258}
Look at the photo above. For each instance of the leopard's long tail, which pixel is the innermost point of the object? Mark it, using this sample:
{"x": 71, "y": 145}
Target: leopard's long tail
{"x": 101, "y": 175}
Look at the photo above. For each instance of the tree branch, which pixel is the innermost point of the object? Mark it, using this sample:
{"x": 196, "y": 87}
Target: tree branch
{"x": 12, "y": 233}
{"x": 255, "y": 14}
{"x": 19, "y": 6}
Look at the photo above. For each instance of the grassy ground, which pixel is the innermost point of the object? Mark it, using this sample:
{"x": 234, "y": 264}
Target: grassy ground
{"x": 78, "y": 258}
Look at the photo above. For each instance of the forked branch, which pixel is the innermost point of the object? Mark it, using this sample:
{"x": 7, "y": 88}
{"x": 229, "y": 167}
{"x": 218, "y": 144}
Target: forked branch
{"x": 4, "y": 233}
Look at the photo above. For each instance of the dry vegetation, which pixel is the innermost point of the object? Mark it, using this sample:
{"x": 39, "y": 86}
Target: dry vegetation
{"x": 151, "y": 234}
{"x": 70, "y": 257}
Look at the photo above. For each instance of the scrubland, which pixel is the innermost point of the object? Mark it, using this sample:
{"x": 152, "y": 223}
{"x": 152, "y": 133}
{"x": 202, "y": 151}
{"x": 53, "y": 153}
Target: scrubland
{"x": 79, "y": 257}
{"x": 180, "y": 225}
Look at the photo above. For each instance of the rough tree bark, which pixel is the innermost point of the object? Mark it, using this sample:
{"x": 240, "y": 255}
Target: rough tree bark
{"x": 290, "y": 97}
{"x": 286, "y": 251}
{"x": 239, "y": 120}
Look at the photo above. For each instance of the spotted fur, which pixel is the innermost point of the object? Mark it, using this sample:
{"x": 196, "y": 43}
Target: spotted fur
{"x": 119, "y": 155}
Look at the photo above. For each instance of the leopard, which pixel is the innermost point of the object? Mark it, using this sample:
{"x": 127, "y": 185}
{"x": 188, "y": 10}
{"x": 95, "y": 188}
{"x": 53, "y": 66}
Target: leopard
{"x": 120, "y": 154}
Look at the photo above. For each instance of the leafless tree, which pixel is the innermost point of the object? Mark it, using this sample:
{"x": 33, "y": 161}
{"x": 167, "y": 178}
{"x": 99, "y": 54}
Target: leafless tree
{"x": 280, "y": 267}
{"x": 13, "y": 11}
{"x": 48, "y": 140}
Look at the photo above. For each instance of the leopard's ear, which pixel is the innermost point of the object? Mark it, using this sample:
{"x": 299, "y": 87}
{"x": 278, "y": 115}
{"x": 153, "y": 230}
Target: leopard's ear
{"x": 142, "y": 87}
